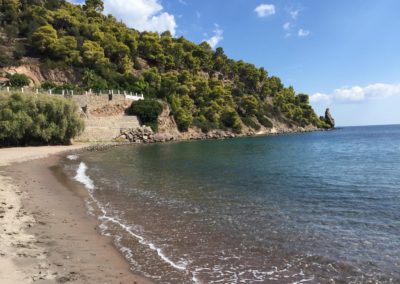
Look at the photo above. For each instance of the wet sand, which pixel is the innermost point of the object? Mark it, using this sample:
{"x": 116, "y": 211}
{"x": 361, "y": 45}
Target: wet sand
{"x": 46, "y": 235}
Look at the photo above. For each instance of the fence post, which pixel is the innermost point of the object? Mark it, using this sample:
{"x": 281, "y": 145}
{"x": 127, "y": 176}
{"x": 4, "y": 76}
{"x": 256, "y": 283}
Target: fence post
{"x": 37, "y": 91}
{"x": 62, "y": 92}
{"x": 22, "y": 89}
{"x": 72, "y": 92}
{"x": 8, "y": 89}
{"x": 50, "y": 91}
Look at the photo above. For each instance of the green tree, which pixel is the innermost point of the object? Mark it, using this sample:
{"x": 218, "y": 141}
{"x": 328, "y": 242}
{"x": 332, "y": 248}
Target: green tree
{"x": 148, "y": 112}
{"x": 93, "y": 54}
{"x": 44, "y": 39}
{"x": 250, "y": 105}
{"x": 93, "y": 5}
{"x": 231, "y": 119}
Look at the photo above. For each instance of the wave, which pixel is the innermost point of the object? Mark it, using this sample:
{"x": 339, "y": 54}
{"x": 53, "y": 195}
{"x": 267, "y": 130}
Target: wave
{"x": 72, "y": 157}
{"x": 82, "y": 177}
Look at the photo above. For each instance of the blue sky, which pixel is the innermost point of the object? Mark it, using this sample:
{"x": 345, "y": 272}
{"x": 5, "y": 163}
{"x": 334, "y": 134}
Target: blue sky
{"x": 343, "y": 53}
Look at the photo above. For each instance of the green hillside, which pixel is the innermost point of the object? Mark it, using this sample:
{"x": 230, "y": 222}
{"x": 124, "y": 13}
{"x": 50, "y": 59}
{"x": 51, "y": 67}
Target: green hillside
{"x": 204, "y": 87}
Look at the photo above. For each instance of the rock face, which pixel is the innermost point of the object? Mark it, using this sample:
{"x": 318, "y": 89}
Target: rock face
{"x": 329, "y": 118}
{"x": 32, "y": 68}
{"x": 143, "y": 134}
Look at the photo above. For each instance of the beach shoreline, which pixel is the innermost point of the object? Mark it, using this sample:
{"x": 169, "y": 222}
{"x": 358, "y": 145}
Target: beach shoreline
{"x": 47, "y": 236}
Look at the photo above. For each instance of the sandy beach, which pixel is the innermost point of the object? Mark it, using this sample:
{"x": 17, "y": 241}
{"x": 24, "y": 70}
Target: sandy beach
{"x": 46, "y": 234}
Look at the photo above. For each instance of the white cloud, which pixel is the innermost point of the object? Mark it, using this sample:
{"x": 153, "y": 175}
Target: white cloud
{"x": 143, "y": 15}
{"x": 294, "y": 14}
{"x": 358, "y": 94}
{"x": 217, "y": 37}
{"x": 265, "y": 10}
{"x": 320, "y": 98}
{"x": 303, "y": 33}
{"x": 287, "y": 26}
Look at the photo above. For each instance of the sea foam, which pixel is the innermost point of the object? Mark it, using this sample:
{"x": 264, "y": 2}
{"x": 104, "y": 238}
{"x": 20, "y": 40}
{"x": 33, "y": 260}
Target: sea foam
{"x": 83, "y": 178}
{"x": 72, "y": 157}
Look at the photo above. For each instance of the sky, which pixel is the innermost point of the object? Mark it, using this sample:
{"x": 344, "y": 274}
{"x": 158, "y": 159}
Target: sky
{"x": 343, "y": 53}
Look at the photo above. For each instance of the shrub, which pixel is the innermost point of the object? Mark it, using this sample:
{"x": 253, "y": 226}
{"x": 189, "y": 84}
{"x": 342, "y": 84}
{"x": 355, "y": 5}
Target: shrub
{"x": 19, "y": 51}
{"x": 231, "y": 119}
{"x": 148, "y": 112}
{"x": 19, "y": 80}
{"x": 5, "y": 60}
{"x": 37, "y": 120}
{"x": 47, "y": 85}
{"x": 248, "y": 121}
{"x": 264, "y": 121}
{"x": 205, "y": 125}
{"x": 183, "y": 119}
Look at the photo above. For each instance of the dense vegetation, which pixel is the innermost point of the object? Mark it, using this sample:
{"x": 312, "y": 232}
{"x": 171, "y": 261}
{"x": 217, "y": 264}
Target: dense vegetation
{"x": 18, "y": 80}
{"x": 37, "y": 120}
{"x": 204, "y": 87}
{"x": 147, "y": 111}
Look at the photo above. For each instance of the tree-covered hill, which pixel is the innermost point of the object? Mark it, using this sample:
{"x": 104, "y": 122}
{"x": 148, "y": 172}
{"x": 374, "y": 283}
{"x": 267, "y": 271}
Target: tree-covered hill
{"x": 204, "y": 87}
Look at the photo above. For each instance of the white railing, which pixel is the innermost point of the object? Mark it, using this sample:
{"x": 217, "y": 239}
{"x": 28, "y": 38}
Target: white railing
{"x": 135, "y": 97}
{"x": 127, "y": 95}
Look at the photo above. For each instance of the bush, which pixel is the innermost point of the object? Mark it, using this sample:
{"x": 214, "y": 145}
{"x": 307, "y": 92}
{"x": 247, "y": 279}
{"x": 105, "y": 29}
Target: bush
{"x": 47, "y": 85}
{"x": 19, "y": 80}
{"x": 148, "y": 112}
{"x": 183, "y": 119}
{"x": 264, "y": 121}
{"x": 248, "y": 121}
{"x": 205, "y": 125}
{"x": 231, "y": 119}
{"x": 37, "y": 120}
{"x": 5, "y": 60}
{"x": 19, "y": 51}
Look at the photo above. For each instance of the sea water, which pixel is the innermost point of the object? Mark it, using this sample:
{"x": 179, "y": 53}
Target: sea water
{"x": 321, "y": 207}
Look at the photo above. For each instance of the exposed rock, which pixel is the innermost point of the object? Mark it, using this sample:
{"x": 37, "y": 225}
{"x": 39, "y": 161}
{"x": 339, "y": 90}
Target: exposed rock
{"x": 329, "y": 118}
{"x": 143, "y": 134}
{"x": 38, "y": 73}
{"x": 163, "y": 137}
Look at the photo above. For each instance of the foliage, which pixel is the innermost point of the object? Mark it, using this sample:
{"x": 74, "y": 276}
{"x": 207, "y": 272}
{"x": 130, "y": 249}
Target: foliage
{"x": 231, "y": 119}
{"x": 204, "y": 86}
{"x": 204, "y": 124}
{"x": 148, "y": 112}
{"x": 19, "y": 80}
{"x": 249, "y": 122}
{"x": 182, "y": 111}
{"x": 41, "y": 119}
{"x": 264, "y": 121}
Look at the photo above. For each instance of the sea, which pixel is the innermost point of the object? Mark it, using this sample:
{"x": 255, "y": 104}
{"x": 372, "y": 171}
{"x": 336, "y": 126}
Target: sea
{"x": 321, "y": 207}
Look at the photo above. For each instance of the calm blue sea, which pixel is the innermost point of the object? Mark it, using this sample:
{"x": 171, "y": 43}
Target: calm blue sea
{"x": 321, "y": 207}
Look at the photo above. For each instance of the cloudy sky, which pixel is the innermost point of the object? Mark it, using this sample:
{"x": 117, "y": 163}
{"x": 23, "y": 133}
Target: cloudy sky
{"x": 343, "y": 53}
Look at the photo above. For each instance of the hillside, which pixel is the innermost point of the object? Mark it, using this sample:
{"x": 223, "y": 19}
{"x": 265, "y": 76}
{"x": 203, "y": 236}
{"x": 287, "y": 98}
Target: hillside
{"x": 204, "y": 88}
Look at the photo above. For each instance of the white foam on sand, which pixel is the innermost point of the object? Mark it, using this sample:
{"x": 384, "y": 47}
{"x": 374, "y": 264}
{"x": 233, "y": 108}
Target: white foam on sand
{"x": 83, "y": 178}
{"x": 72, "y": 157}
